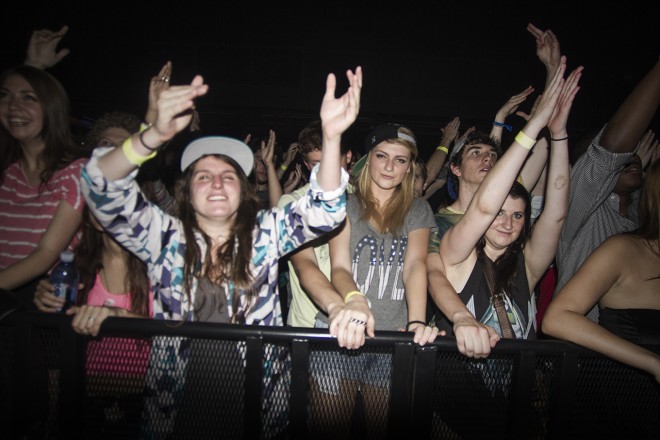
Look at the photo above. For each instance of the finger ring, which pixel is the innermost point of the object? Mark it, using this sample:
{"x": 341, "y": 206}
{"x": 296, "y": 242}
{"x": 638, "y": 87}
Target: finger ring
{"x": 357, "y": 321}
{"x": 91, "y": 319}
{"x": 165, "y": 78}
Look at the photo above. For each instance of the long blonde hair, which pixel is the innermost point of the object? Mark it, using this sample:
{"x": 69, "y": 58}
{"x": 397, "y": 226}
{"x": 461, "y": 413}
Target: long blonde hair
{"x": 391, "y": 218}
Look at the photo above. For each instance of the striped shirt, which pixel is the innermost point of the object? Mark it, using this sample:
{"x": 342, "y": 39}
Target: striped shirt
{"x": 593, "y": 213}
{"x": 26, "y": 210}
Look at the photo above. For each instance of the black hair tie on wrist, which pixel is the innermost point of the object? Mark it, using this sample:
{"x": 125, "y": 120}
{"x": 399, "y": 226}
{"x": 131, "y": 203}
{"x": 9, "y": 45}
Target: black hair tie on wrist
{"x": 415, "y": 322}
{"x": 557, "y": 140}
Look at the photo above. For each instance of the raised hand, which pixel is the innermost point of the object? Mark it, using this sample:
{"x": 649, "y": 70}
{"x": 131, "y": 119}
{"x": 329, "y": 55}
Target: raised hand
{"x": 158, "y": 83}
{"x": 42, "y": 50}
{"x": 547, "y": 47}
{"x": 647, "y": 149}
{"x": 175, "y": 106}
{"x": 450, "y": 132}
{"x": 546, "y": 107}
{"x": 512, "y": 104}
{"x": 291, "y": 153}
{"x": 292, "y": 182}
{"x": 337, "y": 114}
{"x": 526, "y": 116}
{"x": 559, "y": 118}
{"x": 268, "y": 149}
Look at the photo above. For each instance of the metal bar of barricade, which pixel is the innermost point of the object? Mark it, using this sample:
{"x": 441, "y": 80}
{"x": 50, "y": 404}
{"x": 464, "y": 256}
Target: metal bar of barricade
{"x": 400, "y": 390}
{"x": 422, "y": 391}
{"x": 298, "y": 400}
{"x": 253, "y": 386}
{"x": 412, "y": 385}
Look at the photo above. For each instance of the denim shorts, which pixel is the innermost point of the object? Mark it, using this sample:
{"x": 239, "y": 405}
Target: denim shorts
{"x": 330, "y": 367}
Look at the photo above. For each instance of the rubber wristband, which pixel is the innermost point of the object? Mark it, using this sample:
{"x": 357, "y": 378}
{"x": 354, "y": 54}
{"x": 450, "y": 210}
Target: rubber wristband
{"x": 524, "y": 140}
{"x": 415, "y": 322}
{"x": 560, "y": 139}
{"x": 284, "y": 167}
{"x": 144, "y": 144}
{"x": 351, "y": 294}
{"x": 441, "y": 148}
{"x": 132, "y": 156}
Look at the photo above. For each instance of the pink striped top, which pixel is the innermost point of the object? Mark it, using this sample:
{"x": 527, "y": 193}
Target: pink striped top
{"x": 26, "y": 210}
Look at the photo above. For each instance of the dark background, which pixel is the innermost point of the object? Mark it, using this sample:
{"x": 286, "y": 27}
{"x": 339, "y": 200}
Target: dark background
{"x": 266, "y": 63}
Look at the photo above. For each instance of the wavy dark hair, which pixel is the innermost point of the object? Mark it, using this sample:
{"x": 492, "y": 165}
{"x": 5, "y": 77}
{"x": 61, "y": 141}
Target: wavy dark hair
{"x": 127, "y": 121}
{"x": 89, "y": 260}
{"x": 61, "y": 147}
{"x": 506, "y": 265}
{"x": 476, "y": 137}
{"x": 234, "y": 256}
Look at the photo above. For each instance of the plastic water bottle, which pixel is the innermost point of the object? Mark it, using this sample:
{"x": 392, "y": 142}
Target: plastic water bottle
{"x": 64, "y": 277}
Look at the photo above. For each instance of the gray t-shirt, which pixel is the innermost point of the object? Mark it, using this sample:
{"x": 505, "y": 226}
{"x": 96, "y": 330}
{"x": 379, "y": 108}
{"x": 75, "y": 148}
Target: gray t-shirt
{"x": 377, "y": 262}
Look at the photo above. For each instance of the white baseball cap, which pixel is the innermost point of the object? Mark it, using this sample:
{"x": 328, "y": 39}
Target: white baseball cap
{"x": 227, "y": 146}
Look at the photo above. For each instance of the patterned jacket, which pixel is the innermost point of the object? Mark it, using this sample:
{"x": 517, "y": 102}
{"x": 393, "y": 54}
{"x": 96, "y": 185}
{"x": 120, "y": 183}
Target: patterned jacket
{"x": 158, "y": 240}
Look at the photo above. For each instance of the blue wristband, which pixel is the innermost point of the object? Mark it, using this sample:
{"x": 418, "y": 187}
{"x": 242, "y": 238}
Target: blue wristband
{"x": 502, "y": 124}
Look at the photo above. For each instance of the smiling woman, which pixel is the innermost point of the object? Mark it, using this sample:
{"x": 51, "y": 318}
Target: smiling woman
{"x": 40, "y": 200}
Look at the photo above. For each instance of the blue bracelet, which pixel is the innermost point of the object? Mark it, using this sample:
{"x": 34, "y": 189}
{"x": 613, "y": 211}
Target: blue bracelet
{"x": 502, "y": 124}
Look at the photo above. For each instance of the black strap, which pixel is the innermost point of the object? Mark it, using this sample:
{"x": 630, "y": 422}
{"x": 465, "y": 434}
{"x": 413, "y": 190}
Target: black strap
{"x": 498, "y": 300}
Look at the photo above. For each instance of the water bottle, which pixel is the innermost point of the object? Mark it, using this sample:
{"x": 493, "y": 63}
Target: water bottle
{"x": 64, "y": 278}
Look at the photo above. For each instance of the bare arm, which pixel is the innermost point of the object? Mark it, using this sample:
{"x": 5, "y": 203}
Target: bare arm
{"x": 632, "y": 118}
{"x": 414, "y": 281}
{"x": 337, "y": 114}
{"x": 343, "y": 282}
{"x": 509, "y": 107}
{"x": 439, "y": 156}
{"x": 473, "y": 338}
{"x": 267, "y": 155}
{"x": 541, "y": 247}
{"x": 565, "y": 317}
{"x": 58, "y": 235}
{"x": 460, "y": 240}
{"x": 174, "y": 105}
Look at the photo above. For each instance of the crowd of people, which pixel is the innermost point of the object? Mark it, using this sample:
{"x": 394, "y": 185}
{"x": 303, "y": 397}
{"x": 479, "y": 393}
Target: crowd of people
{"x": 362, "y": 238}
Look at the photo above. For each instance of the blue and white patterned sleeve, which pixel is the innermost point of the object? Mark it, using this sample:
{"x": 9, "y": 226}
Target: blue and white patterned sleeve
{"x": 311, "y": 216}
{"x": 124, "y": 212}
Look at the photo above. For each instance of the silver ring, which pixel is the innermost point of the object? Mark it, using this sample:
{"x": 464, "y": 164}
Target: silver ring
{"x": 91, "y": 319}
{"x": 357, "y": 321}
{"x": 164, "y": 78}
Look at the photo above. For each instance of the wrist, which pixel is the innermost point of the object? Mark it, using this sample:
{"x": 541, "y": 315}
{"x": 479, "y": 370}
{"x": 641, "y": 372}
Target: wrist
{"x": 415, "y": 322}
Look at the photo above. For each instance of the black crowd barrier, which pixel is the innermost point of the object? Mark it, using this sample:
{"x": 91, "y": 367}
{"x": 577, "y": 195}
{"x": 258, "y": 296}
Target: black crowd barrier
{"x": 164, "y": 380}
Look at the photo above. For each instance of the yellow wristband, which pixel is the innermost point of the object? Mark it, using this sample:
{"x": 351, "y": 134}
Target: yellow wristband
{"x": 441, "y": 148}
{"x": 525, "y": 140}
{"x": 352, "y": 293}
{"x": 144, "y": 126}
{"x": 132, "y": 156}
{"x": 283, "y": 167}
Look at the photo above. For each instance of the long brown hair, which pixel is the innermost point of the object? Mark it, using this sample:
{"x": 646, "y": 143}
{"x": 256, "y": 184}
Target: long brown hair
{"x": 649, "y": 205}
{"x": 234, "y": 256}
{"x": 506, "y": 266}
{"x": 89, "y": 259}
{"x": 391, "y": 218}
{"x": 60, "y": 146}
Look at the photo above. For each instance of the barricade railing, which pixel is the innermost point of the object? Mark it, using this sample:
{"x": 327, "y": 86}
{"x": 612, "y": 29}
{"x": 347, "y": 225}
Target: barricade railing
{"x": 160, "y": 379}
